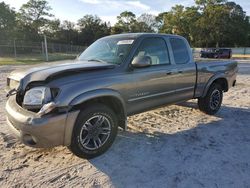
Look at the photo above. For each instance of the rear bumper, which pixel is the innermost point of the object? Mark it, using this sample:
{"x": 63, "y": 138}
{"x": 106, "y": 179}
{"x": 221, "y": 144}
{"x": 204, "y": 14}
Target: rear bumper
{"x": 35, "y": 131}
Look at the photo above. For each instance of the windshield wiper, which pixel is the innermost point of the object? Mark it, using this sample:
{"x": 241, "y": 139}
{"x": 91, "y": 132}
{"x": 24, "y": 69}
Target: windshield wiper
{"x": 98, "y": 60}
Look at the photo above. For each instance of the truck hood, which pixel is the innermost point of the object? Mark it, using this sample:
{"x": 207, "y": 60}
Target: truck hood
{"x": 56, "y": 69}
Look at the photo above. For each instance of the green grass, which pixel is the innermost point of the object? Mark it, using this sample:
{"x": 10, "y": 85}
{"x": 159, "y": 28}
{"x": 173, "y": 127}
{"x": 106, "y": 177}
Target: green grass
{"x": 33, "y": 59}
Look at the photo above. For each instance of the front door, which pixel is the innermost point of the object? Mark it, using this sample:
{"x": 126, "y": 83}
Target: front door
{"x": 155, "y": 85}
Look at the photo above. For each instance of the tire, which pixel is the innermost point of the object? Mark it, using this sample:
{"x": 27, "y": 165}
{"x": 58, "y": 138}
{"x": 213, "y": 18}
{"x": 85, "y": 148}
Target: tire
{"x": 93, "y": 122}
{"x": 211, "y": 103}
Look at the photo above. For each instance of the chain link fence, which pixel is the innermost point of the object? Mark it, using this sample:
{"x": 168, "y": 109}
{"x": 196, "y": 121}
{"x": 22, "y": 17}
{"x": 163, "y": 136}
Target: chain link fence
{"x": 38, "y": 51}
{"x": 24, "y": 51}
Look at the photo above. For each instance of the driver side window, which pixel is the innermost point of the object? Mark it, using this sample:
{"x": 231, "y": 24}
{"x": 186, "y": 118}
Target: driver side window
{"x": 156, "y": 49}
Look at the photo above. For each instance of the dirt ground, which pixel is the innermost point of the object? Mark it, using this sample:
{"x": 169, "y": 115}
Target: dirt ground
{"x": 174, "y": 146}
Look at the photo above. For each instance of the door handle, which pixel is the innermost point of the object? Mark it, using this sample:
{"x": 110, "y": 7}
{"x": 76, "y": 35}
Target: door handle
{"x": 174, "y": 71}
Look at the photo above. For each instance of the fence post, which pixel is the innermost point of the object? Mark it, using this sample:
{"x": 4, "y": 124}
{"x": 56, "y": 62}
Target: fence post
{"x": 244, "y": 50}
{"x": 46, "y": 48}
{"x": 15, "y": 48}
{"x": 42, "y": 49}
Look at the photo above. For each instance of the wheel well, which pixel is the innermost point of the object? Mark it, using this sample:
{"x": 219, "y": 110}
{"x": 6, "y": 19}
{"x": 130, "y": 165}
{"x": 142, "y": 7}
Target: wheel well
{"x": 112, "y": 102}
{"x": 223, "y": 83}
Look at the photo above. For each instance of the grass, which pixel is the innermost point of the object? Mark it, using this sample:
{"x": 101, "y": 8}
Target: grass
{"x": 33, "y": 59}
{"x": 241, "y": 56}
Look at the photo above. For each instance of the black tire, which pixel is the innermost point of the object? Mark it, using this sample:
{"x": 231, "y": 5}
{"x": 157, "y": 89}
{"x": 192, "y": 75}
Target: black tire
{"x": 78, "y": 145}
{"x": 211, "y": 103}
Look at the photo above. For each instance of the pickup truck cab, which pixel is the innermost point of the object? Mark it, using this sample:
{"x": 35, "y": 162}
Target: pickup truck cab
{"x": 81, "y": 103}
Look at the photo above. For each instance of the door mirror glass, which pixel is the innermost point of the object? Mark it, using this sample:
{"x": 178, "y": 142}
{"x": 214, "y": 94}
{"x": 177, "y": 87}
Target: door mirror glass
{"x": 141, "y": 61}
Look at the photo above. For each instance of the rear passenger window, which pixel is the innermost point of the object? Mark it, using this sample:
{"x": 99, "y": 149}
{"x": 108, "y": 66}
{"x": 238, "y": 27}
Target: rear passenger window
{"x": 156, "y": 49}
{"x": 180, "y": 50}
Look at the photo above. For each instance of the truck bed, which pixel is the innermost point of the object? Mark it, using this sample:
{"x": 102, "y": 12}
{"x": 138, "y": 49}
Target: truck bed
{"x": 207, "y": 69}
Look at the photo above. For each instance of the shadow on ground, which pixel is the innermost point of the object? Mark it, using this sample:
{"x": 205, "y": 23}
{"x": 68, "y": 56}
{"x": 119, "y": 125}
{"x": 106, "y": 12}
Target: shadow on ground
{"x": 205, "y": 156}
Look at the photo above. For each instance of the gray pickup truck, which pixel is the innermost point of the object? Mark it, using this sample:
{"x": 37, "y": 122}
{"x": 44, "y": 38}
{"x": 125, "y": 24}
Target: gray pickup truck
{"x": 81, "y": 103}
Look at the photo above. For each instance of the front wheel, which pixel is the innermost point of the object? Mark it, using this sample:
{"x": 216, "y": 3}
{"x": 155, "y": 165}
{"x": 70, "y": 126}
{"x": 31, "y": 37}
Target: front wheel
{"x": 94, "y": 132}
{"x": 211, "y": 103}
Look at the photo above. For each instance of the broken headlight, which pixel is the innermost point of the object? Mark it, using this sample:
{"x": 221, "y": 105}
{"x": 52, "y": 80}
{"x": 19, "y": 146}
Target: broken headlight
{"x": 37, "y": 96}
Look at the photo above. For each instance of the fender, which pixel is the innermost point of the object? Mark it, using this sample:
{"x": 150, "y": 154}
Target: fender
{"x": 211, "y": 80}
{"x": 85, "y": 97}
{"x": 96, "y": 94}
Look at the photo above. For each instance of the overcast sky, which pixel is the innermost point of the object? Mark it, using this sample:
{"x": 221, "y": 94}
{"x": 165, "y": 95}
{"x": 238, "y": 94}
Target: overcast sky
{"x": 107, "y": 10}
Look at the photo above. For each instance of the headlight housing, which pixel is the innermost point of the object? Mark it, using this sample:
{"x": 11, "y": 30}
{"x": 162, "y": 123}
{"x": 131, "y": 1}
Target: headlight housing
{"x": 36, "y": 97}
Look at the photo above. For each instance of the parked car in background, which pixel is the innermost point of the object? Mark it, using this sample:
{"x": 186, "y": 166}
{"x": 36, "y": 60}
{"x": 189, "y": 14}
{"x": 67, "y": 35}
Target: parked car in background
{"x": 220, "y": 53}
{"x": 81, "y": 104}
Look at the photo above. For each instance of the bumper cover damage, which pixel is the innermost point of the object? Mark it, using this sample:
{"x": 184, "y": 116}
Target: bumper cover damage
{"x": 39, "y": 131}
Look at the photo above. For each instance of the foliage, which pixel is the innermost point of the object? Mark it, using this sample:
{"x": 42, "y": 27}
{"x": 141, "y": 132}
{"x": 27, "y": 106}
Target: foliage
{"x": 127, "y": 23}
{"x": 92, "y": 28}
{"x": 149, "y": 20}
{"x": 209, "y": 23}
{"x": 33, "y": 17}
{"x": 7, "y": 21}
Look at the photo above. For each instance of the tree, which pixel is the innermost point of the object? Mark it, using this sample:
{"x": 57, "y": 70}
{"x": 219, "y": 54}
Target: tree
{"x": 33, "y": 16}
{"x": 7, "y": 21}
{"x": 91, "y": 29}
{"x": 68, "y": 25}
{"x": 191, "y": 16}
{"x": 64, "y": 32}
{"x": 208, "y": 24}
{"x": 51, "y": 28}
{"x": 68, "y": 32}
{"x": 181, "y": 21}
{"x": 125, "y": 23}
{"x": 172, "y": 21}
{"x": 202, "y": 4}
{"x": 239, "y": 26}
{"x": 223, "y": 24}
{"x": 140, "y": 27}
{"x": 150, "y": 21}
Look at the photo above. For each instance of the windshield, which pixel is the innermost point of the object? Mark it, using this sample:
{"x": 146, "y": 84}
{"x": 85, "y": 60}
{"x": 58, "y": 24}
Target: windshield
{"x": 110, "y": 50}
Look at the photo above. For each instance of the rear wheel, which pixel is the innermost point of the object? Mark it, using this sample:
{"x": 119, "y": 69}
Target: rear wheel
{"x": 94, "y": 132}
{"x": 211, "y": 103}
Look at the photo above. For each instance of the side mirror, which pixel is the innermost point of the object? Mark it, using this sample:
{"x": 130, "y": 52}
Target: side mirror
{"x": 141, "y": 61}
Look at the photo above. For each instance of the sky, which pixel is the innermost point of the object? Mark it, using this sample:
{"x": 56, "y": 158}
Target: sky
{"x": 107, "y": 10}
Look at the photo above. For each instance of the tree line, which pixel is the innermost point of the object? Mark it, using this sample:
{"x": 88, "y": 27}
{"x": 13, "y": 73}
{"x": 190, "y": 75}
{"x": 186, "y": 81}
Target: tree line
{"x": 208, "y": 23}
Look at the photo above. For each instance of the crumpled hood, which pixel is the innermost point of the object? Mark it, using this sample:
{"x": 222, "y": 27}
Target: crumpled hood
{"x": 50, "y": 70}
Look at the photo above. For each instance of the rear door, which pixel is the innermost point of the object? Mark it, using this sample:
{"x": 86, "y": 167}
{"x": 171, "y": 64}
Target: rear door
{"x": 185, "y": 68}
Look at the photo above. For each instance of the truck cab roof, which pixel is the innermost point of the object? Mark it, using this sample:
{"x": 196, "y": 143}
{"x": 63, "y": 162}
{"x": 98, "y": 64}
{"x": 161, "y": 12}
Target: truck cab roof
{"x": 137, "y": 35}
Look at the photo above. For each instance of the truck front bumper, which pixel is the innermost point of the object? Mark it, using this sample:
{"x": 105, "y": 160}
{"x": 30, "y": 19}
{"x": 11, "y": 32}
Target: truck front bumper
{"x": 43, "y": 132}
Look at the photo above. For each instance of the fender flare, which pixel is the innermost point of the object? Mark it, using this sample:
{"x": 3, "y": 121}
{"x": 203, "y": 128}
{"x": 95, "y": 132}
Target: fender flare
{"x": 211, "y": 80}
{"x": 96, "y": 94}
{"x": 71, "y": 118}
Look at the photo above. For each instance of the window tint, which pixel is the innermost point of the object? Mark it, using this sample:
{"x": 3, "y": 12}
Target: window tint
{"x": 180, "y": 51}
{"x": 156, "y": 49}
